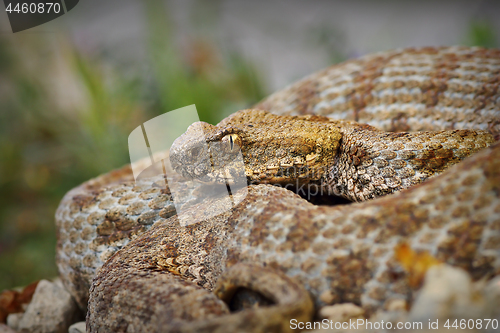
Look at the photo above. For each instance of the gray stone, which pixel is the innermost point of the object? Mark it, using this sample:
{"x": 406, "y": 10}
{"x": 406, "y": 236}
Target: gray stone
{"x": 492, "y": 298}
{"x": 52, "y": 309}
{"x": 77, "y": 328}
{"x": 6, "y": 329}
{"x": 13, "y": 320}
{"x": 448, "y": 292}
{"x": 341, "y": 312}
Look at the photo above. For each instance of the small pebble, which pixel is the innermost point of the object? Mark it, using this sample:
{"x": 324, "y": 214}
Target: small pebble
{"x": 341, "y": 312}
{"x": 77, "y": 328}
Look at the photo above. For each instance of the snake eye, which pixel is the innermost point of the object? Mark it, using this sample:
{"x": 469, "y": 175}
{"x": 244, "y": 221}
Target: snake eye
{"x": 230, "y": 141}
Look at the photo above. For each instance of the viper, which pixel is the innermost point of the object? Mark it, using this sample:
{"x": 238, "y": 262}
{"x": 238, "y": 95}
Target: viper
{"x": 405, "y": 133}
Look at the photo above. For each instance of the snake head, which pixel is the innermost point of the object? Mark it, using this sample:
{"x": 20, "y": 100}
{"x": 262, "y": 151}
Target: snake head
{"x": 259, "y": 147}
{"x": 208, "y": 154}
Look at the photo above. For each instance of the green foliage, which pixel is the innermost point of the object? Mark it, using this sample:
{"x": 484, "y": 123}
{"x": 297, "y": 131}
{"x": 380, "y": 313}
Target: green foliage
{"x": 218, "y": 84}
{"x": 482, "y": 33}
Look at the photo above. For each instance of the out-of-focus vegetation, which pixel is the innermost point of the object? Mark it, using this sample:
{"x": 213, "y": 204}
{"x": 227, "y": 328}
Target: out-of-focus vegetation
{"x": 482, "y": 33}
{"x": 65, "y": 115}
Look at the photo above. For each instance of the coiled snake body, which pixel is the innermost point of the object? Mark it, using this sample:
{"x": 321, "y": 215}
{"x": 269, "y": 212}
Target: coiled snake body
{"x": 275, "y": 247}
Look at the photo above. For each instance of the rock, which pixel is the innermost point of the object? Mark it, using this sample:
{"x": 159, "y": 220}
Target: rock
{"x": 391, "y": 318}
{"x": 77, "y": 328}
{"x": 341, "y": 312}
{"x": 492, "y": 298}
{"x": 8, "y": 304}
{"x": 52, "y": 309}
{"x": 396, "y": 305}
{"x": 14, "y": 301}
{"x": 13, "y": 320}
{"x": 448, "y": 292}
{"x": 6, "y": 329}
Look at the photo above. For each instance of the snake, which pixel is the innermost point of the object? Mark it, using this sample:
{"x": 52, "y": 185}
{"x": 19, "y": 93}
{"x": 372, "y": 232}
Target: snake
{"x": 410, "y": 136}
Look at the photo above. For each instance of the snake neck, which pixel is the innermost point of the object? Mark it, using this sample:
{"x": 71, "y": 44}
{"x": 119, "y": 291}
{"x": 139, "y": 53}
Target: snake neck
{"x": 372, "y": 163}
{"x": 355, "y": 161}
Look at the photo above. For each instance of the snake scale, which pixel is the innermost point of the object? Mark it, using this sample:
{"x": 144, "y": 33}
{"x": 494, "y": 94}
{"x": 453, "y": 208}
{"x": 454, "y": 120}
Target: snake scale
{"x": 122, "y": 241}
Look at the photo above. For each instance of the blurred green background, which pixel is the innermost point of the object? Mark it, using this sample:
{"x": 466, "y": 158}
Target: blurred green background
{"x": 66, "y": 111}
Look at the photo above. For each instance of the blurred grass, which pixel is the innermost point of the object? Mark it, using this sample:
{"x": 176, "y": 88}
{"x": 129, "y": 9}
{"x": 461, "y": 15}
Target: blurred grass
{"x": 482, "y": 33}
{"x": 65, "y": 116}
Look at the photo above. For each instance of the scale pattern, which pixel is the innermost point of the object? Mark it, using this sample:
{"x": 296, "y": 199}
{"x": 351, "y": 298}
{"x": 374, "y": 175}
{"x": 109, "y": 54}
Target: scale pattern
{"x": 415, "y": 89}
{"x": 337, "y": 254}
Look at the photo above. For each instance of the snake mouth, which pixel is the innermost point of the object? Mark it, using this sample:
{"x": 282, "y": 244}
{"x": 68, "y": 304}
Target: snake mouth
{"x": 210, "y": 181}
{"x": 211, "y": 178}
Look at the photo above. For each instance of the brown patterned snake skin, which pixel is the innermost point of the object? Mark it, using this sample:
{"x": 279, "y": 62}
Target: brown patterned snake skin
{"x": 287, "y": 254}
